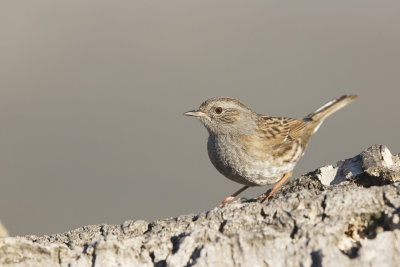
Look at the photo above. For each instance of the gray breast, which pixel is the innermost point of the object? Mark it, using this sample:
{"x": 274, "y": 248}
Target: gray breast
{"x": 232, "y": 161}
{"x": 229, "y": 159}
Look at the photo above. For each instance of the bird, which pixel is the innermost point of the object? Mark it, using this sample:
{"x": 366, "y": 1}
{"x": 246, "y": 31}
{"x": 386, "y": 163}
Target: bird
{"x": 254, "y": 149}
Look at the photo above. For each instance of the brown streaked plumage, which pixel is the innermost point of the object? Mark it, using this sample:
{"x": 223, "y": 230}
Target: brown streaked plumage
{"x": 254, "y": 149}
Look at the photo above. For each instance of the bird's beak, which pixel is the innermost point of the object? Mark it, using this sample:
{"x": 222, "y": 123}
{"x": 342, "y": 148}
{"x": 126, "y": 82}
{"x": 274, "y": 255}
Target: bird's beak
{"x": 196, "y": 113}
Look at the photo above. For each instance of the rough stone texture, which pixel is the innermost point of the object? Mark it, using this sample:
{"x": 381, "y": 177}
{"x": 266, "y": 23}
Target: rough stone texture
{"x": 344, "y": 215}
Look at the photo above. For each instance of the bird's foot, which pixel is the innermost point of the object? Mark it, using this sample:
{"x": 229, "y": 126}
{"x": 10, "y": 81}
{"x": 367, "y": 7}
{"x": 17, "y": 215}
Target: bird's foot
{"x": 271, "y": 194}
{"x": 226, "y": 201}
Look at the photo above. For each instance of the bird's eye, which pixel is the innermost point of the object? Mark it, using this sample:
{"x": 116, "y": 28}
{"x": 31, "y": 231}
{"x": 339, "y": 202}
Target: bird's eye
{"x": 218, "y": 110}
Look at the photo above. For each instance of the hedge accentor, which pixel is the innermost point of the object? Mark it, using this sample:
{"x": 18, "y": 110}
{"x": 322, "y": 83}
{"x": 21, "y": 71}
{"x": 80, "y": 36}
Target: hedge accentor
{"x": 253, "y": 149}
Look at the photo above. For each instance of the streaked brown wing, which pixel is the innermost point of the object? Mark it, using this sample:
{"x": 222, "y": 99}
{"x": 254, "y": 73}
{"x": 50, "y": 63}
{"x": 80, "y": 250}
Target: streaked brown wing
{"x": 277, "y": 131}
{"x": 275, "y": 136}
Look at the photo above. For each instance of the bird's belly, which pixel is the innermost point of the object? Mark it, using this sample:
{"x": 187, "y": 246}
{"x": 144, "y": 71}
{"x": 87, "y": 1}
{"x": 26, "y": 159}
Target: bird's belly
{"x": 234, "y": 163}
{"x": 265, "y": 173}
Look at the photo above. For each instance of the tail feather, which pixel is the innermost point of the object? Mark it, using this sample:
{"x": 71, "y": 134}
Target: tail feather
{"x": 330, "y": 107}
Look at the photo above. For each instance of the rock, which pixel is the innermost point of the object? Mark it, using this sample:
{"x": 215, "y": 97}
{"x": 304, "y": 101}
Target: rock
{"x": 3, "y": 230}
{"x": 342, "y": 215}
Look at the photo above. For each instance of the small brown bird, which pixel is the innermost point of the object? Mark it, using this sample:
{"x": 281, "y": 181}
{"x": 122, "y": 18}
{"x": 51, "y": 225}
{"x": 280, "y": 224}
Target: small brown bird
{"x": 253, "y": 149}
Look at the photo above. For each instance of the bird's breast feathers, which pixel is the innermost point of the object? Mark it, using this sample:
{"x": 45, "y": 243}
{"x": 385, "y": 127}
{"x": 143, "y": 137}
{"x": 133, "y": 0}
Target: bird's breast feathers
{"x": 250, "y": 161}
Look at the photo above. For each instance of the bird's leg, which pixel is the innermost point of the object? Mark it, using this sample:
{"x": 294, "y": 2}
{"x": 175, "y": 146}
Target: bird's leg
{"x": 231, "y": 197}
{"x": 278, "y": 185}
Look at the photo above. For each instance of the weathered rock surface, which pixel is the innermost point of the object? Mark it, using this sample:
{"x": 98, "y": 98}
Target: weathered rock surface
{"x": 344, "y": 215}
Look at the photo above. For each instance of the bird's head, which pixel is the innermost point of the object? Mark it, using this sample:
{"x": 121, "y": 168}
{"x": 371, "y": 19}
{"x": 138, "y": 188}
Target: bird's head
{"x": 225, "y": 116}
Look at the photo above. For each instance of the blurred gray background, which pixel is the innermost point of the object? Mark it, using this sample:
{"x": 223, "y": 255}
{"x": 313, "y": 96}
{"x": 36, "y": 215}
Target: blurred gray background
{"x": 92, "y": 95}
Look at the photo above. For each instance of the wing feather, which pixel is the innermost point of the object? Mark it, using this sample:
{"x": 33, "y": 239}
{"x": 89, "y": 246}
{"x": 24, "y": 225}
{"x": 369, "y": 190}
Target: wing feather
{"x": 281, "y": 130}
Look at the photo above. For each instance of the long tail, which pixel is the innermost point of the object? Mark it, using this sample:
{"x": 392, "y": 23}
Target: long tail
{"x": 332, "y": 106}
